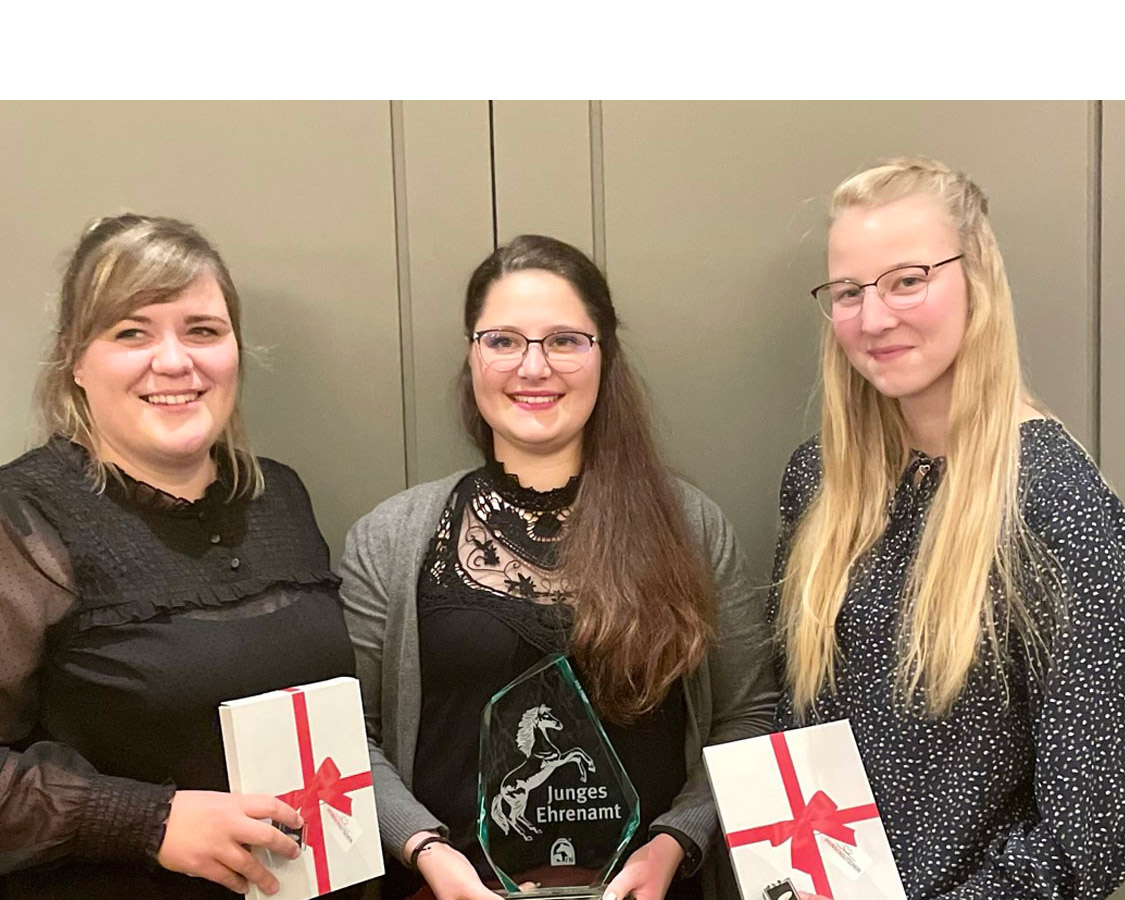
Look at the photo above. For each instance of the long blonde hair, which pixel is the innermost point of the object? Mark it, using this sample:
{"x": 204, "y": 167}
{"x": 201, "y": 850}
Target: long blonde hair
{"x": 974, "y": 535}
{"x": 122, "y": 263}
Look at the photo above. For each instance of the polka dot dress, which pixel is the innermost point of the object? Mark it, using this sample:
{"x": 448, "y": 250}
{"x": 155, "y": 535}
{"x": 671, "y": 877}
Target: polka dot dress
{"x": 1018, "y": 792}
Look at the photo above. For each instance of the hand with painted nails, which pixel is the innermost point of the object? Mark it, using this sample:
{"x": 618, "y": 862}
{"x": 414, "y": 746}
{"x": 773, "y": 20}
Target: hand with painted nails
{"x": 209, "y": 832}
{"x": 648, "y": 871}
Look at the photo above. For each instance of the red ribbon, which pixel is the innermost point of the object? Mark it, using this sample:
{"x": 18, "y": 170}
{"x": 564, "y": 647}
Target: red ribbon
{"x": 321, "y": 783}
{"x": 819, "y": 814}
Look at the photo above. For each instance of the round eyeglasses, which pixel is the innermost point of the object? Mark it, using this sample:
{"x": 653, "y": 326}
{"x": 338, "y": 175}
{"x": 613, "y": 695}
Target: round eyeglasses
{"x": 504, "y": 350}
{"x": 899, "y": 288}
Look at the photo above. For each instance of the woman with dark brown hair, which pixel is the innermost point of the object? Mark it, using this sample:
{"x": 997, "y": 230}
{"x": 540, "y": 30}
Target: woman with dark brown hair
{"x": 572, "y": 537}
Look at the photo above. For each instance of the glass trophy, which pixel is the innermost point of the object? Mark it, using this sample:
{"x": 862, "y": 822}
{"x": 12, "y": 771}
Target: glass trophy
{"x": 555, "y": 805}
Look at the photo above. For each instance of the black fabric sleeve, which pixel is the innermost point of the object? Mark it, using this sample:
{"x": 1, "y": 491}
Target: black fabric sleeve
{"x": 1075, "y": 847}
{"x": 799, "y": 485}
{"x": 52, "y": 802}
{"x": 693, "y": 855}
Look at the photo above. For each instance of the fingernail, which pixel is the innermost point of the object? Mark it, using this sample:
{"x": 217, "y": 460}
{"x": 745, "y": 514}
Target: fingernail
{"x": 609, "y": 895}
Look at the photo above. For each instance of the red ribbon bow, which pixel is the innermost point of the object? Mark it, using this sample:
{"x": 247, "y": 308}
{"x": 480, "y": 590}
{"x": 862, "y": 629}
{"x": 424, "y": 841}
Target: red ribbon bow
{"x": 321, "y": 784}
{"x": 820, "y": 814}
{"x": 326, "y": 785}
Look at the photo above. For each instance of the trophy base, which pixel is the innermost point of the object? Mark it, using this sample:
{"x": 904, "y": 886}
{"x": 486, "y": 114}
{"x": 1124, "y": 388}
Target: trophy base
{"x": 552, "y": 882}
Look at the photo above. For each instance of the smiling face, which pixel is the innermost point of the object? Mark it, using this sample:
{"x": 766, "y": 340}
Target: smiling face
{"x": 905, "y": 354}
{"x": 161, "y": 384}
{"x": 534, "y": 409}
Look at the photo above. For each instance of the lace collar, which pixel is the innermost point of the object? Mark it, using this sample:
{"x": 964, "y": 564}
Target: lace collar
{"x": 508, "y": 486}
{"x": 528, "y": 522}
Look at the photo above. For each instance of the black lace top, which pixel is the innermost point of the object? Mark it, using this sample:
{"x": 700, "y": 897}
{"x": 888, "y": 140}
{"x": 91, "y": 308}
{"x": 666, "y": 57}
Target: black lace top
{"x": 491, "y": 605}
{"x": 126, "y": 617}
{"x": 1019, "y": 791}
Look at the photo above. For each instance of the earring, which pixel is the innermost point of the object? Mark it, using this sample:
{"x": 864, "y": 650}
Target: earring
{"x": 76, "y": 380}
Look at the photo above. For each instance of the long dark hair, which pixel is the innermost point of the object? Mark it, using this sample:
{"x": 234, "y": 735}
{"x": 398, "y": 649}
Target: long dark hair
{"x": 643, "y": 599}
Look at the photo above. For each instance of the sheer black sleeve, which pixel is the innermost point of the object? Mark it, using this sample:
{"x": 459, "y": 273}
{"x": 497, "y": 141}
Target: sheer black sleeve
{"x": 52, "y": 801}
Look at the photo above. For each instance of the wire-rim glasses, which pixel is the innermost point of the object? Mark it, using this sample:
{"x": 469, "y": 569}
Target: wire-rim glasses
{"x": 504, "y": 349}
{"x": 902, "y": 287}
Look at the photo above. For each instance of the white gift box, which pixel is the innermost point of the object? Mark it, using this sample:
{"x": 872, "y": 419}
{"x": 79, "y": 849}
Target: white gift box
{"x": 307, "y": 745}
{"x": 798, "y": 805}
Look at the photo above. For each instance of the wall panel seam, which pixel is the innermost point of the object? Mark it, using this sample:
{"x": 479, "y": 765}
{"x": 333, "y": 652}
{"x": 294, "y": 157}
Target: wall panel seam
{"x": 492, "y": 175}
{"x": 1094, "y": 268}
{"x": 405, "y": 309}
{"x": 597, "y": 183}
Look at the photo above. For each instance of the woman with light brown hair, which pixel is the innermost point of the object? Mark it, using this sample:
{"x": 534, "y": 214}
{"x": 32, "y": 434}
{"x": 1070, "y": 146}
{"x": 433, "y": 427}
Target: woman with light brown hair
{"x": 151, "y": 567}
{"x": 951, "y": 569}
{"x": 572, "y": 537}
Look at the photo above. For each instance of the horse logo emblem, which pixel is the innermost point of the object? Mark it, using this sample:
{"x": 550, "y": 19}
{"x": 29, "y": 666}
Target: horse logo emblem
{"x": 534, "y": 741}
{"x": 562, "y": 853}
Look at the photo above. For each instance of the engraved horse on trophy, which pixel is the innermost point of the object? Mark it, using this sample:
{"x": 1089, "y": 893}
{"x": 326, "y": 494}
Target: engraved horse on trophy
{"x": 543, "y": 757}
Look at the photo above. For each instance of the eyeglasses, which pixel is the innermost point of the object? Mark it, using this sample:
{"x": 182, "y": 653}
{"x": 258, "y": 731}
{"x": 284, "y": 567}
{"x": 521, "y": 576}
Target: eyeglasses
{"x": 566, "y": 351}
{"x": 899, "y": 288}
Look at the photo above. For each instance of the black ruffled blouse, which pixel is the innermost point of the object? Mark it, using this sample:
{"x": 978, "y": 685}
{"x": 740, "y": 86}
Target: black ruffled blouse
{"x": 126, "y": 618}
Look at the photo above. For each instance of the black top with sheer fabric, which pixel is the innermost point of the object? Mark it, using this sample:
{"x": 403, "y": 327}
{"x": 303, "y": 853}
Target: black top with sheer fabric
{"x": 126, "y": 617}
{"x": 490, "y": 605}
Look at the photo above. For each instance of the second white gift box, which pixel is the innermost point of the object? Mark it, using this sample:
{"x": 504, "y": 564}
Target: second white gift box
{"x": 307, "y": 745}
{"x": 797, "y": 805}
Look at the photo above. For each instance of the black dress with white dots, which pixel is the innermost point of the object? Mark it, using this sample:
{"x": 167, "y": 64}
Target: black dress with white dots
{"x": 1019, "y": 791}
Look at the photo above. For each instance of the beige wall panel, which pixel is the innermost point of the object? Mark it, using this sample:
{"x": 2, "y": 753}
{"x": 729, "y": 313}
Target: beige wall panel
{"x": 542, "y": 166}
{"x": 1113, "y": 294}
{"x": 714, "y": 222}
{"x": 299, "y": 198}
{"x": 448, "y": 208}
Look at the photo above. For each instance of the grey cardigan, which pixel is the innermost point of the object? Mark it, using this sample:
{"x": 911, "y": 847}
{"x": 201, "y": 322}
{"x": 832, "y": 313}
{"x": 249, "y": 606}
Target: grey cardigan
{"x": 730, "y": 696}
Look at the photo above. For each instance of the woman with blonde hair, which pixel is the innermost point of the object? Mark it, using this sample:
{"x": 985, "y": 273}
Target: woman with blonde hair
{"x": 151, "y": 566}
{"x": 951, "y": 567}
